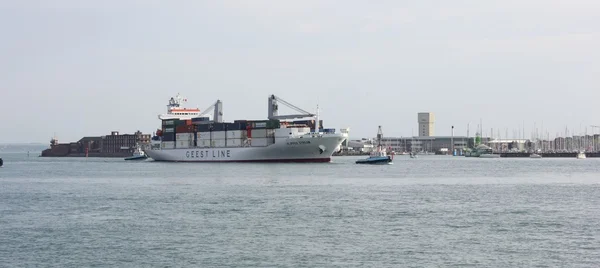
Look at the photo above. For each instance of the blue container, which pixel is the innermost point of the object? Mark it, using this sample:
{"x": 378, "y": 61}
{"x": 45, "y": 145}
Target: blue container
{"x": 329, "y": 130}
{"x": 199, "y": 119}
{"x": 204, "y": 127}
{"x": 218, "y": 126}
{"x": 168, "y": 137}
{"x": 236, "y": 126}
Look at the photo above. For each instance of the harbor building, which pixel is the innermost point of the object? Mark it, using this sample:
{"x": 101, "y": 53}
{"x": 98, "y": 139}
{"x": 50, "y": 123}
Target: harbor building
{"x": 113, "y": 145}
{"x": 426, "y": 123}
{"x": 431, "y": 144}
{"x": 363, "y": 145}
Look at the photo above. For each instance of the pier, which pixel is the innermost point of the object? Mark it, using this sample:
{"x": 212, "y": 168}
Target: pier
{"x": 550, "y": 155}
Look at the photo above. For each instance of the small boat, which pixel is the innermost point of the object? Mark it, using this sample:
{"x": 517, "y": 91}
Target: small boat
{"x": 534, "y": 155}
{"x": 413, "y": 155}
{"x": 376, "y": 158}
{"x": 379, "y": 156}
{"x": 581, "y": 155}
{"x": 138, "y": 154}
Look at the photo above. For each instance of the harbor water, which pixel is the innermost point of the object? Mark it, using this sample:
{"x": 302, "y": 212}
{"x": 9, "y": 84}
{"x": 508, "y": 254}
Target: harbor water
{"x": 430, "y": 211}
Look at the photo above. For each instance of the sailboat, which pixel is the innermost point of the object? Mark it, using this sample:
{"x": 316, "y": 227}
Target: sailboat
{"x": 379, "y": 156}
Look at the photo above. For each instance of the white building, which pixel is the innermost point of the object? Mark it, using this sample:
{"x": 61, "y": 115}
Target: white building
{"x": 363, "y": 145}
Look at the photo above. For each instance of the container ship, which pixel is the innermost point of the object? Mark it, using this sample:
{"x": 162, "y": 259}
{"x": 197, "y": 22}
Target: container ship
{"x": 188, "y": 135}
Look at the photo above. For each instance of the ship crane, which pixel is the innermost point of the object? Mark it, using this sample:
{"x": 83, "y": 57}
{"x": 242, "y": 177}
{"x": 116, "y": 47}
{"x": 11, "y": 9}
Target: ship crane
{"x": 217, "y": 111}
{"x": 274, "y": 108}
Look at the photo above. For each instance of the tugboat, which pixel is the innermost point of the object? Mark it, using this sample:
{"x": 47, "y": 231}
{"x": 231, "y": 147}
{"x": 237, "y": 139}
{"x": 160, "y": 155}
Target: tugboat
{"x": 379, "y": 156}
{"x": 138, "y": 154}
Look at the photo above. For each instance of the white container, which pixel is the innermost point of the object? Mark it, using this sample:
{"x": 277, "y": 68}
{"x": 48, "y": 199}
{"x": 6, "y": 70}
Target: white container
{"x": 203, "y": 135}
{"x": 258, "y": 142}
{"x": 234, "y": 142}
{"x": 203, "y": 143}
{"x": 218, "y": 135}
{"x": 183, "y": 144}
{"x": 283, "y": 132}
{"x": 184, "y": 136}
{"x": 218, "y": 143}
{"x": 237, "y": 134}
{"x": 258, "y": 133}
{"x": 168, "y": 145}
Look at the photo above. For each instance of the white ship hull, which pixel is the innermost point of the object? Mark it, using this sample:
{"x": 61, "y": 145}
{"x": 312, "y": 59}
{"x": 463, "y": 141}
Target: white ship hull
{"x": 304, "y": 149}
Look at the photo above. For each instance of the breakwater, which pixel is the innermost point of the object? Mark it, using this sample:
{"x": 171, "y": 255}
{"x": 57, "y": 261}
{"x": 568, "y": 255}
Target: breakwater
{"x": 568, "y": 155}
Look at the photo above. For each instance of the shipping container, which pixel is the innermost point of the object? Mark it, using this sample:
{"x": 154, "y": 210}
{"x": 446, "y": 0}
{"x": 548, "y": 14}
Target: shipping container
{"x": 234, "y": 142}
{"x": 283, "y": 132}
{"x": 203, "y": 143}
{"x": 329, "y": 130}
{"x": 257, "y": 142}
{"x": 200, "y": 119}
{"x": 185, "y": 129}
{"x": 309, "y": 123}
{"x": 168, "y": 144}
{"x": 173, "y": 122}
{"x": 274, "y": 123}
{"x": 236, "y": 126}
{"x": 203, "y": 135}
{"x": 259, "y": 133}
{"x": 218, "y": 143}
{"x": 260, "y": 125}
{"x": 237, "y": 134}
{"x": 188, "y": 122}
{"x": 218, "y": 135}
{"x": 169, "y": 130}
{"x": 184, "y": 136}
{"x": 218, "y": 126}
{"x": 183, "y": 144}
{"x": 169, "y": 137}
{"x": 204, "y": 127}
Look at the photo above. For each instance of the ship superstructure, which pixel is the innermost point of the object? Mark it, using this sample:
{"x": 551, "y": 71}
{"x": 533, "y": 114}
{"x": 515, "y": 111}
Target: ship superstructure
{"x": 200, "y": 139}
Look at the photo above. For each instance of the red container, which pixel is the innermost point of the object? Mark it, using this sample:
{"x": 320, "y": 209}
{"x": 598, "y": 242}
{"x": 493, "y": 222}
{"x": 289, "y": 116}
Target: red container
{"x": 185, "y": 129}
{"x": 249, "y": 130}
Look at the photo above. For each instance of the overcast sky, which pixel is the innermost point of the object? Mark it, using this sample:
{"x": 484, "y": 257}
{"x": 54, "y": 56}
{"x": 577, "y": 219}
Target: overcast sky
{"x": 84, "y": 68}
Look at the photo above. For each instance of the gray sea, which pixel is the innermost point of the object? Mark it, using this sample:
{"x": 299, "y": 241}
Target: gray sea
{"x": 434, "y": 211}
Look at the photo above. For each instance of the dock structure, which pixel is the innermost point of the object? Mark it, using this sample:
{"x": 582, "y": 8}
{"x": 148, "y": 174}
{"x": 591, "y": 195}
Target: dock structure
{"x": 549, "y": 155}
